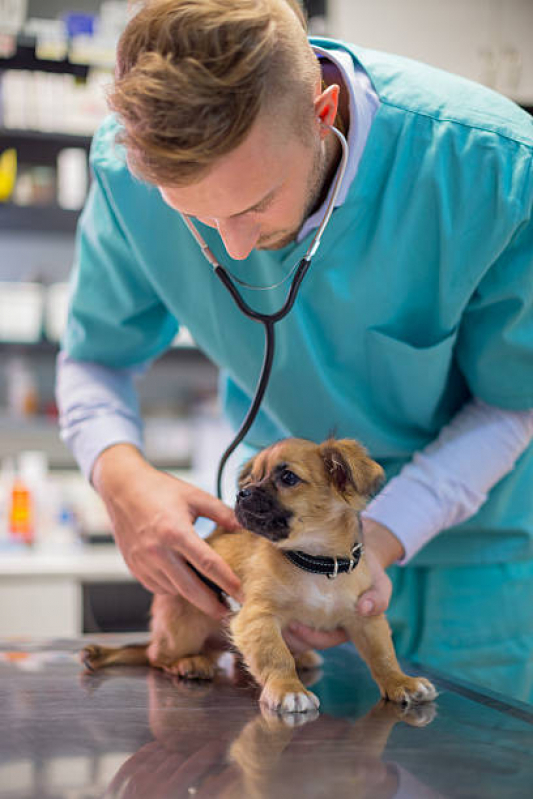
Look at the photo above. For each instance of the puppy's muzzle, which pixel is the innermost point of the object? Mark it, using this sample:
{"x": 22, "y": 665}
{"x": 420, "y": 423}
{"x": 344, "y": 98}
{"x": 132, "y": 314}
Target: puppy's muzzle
{"x": 260, "y": 512}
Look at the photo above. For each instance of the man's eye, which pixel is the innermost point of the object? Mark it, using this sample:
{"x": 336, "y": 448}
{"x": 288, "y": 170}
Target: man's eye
{"x": 288, "y": 478}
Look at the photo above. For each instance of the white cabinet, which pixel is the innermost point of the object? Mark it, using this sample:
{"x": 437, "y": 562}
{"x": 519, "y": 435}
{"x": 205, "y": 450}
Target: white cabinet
{"x": 44, "y": 607}
{"x": 41, "y": 594}
{"x": 489, "y": 41}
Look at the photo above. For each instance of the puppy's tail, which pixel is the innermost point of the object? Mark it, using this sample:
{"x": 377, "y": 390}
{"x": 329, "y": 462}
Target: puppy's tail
{"x": 96, "y": 657}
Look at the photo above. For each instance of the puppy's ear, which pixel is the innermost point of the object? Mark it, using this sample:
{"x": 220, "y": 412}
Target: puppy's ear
{"x": 350, "y": 469}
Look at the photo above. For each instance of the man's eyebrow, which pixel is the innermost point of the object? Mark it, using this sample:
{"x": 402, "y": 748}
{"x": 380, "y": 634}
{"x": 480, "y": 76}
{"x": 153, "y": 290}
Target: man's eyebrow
{"x": 264, "y": 201}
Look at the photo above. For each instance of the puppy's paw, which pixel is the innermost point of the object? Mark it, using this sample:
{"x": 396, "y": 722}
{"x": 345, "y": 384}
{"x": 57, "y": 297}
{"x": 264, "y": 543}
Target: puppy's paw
{"x": 409, "y": 690}
{"x": 418, "y": 715}
{"x": 276, "y": 721}
{"x": 289, "y": 696}
{"x": 195, "y": 667}
{"x": 93, "y": 657}
{"x": 308, "y": 660}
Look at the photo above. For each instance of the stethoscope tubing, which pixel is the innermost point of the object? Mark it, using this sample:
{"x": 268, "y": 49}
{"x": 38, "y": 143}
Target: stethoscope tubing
{"x": 266, "y": 369}
{"x": 243, "y": 306}
{"x": 268, "y": 320}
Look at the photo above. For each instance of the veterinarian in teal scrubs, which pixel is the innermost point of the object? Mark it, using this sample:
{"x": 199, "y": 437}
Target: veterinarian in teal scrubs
{"x": 419, "y": 300}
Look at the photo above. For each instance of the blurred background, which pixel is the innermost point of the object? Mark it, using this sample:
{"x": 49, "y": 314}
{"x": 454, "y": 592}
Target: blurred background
{"x": 60, "y": 574}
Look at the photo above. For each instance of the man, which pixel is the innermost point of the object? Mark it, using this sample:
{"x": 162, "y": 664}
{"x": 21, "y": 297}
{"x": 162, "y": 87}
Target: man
{"x": 413, "y": 331}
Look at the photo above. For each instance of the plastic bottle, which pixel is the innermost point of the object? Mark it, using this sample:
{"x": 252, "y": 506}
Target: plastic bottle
{"x": 22, "y": 395}
{"x": 21, "y": 518}
{"x": 33, "y": 476}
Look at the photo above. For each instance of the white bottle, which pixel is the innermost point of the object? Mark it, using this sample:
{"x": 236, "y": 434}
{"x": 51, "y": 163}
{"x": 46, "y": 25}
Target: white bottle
{"x": 72, "y": 178}
{"x": 22, "y": 395}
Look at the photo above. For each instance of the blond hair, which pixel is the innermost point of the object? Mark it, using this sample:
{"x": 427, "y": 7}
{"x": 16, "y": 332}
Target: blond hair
{"x": 192, "y": 76}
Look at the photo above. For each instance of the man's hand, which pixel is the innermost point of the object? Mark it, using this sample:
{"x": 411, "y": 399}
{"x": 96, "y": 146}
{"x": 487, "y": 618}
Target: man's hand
{"x": 152, "y": 514}
{"x": 382, "y": 548}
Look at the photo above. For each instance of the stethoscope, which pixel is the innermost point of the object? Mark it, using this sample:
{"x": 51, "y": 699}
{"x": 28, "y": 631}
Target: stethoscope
{"x": 268, "y": 320}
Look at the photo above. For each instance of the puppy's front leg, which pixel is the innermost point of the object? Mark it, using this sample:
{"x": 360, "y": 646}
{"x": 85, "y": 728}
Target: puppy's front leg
{"x": 372, "y": 637}
{"x": 256, "y": 632}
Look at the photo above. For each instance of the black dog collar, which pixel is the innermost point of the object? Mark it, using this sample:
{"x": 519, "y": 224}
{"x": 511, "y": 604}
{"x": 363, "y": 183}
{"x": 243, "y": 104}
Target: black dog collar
{"x": 331, "y": 567}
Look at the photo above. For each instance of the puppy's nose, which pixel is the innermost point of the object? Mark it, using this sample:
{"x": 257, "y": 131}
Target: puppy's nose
{"x": 244, "y": 493}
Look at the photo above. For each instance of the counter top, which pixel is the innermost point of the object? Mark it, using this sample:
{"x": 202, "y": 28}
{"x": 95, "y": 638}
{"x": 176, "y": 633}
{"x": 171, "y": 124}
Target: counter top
{"x": 135, "y": 732}
{"x": 89, "y": 562}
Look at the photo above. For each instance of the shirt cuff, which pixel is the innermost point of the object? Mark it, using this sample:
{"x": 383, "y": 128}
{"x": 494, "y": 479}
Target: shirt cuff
{"x": 413, "y": 512}
{"x": 449, "y": 480}
{"x": 88, "y": 441}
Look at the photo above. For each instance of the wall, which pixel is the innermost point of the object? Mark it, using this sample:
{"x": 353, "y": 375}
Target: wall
{"x": 489, "y": 41}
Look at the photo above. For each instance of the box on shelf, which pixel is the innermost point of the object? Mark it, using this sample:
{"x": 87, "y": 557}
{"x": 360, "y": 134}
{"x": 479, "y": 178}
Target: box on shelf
{"x": 56, "y": 310}
{"x": 12, "y": 15}
{"x": 21, "y": 311}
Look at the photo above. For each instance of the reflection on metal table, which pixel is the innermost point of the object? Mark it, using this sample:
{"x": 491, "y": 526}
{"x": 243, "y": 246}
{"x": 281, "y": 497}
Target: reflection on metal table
{"x": 136, "y": 732}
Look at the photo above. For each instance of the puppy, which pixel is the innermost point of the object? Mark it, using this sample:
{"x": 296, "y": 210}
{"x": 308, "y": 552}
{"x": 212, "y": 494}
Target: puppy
{"x": 299, "y": 556}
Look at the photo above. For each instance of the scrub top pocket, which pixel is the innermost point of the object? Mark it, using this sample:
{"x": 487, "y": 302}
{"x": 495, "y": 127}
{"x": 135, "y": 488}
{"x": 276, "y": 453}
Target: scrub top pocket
{"x": 414, "y": 387}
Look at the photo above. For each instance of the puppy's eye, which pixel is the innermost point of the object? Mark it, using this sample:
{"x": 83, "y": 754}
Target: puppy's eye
{"x": 288, "y": 478}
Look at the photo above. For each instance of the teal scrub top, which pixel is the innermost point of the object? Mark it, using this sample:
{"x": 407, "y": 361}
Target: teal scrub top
{"x": 420, "y": 297}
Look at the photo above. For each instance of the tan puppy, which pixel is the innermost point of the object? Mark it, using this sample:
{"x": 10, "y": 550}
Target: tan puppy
{"x": 299, "y": 557}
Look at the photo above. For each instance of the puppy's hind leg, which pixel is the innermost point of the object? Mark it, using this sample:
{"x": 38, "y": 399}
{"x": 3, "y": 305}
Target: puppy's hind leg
{"x": 179, "y": 634}
{"x": 95, "y": 657}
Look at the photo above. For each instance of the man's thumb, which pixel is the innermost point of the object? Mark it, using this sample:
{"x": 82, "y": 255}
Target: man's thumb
{"x": 370, "y": 604}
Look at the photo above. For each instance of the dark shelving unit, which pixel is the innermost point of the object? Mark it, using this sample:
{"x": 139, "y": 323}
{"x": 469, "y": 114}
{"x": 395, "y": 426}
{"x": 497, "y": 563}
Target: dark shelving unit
{"x": 35, "y": 145}
{"x": 36, "y": 148}
{"x": 316, "y": 8}
{"x": 25, "y": 57}
{"x": 37, "y": 218}
{"x": 39, "y": 148}
{"x": 46, "y": 347}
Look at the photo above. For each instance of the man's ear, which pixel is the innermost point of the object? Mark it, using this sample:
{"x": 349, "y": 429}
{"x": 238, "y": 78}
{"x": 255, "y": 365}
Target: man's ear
{"x": 349, "y": 467}
{"x": 326, "y": 106}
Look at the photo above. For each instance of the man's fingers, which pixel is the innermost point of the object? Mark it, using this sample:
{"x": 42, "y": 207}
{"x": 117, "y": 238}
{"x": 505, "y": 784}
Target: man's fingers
{"x": 372, "y": 603}
{"x": 205, "y": 504}
{"x": 186, "y": 583}
{"x": 210, "y": 564}
{"x": 375, "y": 600}
{"x": 300, "y": 637}
{"x": 156, "y": 582}
{"x": 296, "y": 644}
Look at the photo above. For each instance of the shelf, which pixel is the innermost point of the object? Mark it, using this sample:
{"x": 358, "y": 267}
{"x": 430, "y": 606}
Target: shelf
{"x": 42, "y": 347}
{"x": 37, "y": 148}
{"x": 34, "y": 433}
{"x": 50, "y": 348}
{"x": 33, "y": 218}
{"x": 10, "y": 137}
{"x": 24, "y": 58}
{"x": 41, "y": 433}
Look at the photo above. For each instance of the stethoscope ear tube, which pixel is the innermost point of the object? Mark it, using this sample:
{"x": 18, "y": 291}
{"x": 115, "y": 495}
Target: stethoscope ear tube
{"x": 243, "y": 306}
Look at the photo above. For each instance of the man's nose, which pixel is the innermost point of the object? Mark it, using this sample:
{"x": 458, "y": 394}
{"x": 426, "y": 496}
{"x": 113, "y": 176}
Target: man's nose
{"x": 239, "y": 236}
